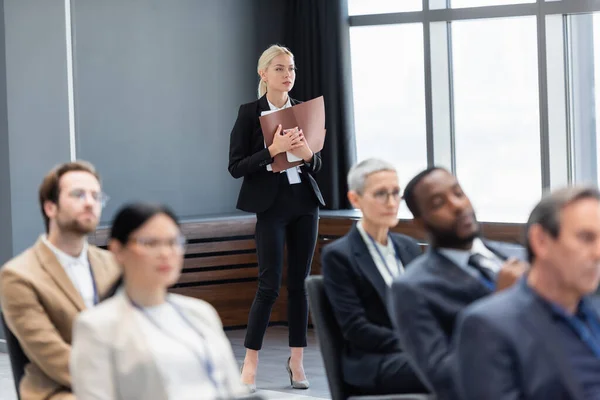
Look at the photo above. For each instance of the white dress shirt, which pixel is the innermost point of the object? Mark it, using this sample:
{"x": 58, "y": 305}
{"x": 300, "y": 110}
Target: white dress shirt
{"x": 461, "y": 257}
{"x": 392, "y": 266}
{"x": 178, "y": 352}
{"x": 293, "y": 174}
{"x": 79, "y": 271}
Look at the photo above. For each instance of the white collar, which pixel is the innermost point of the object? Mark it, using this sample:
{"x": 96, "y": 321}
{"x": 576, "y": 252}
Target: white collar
{"x": 461, "y": 257}
{"x": 478, "y": 247}
{"x": 67, "y": 259}
{"x": 387, "y": 249}
{"x": 273, "y": 107}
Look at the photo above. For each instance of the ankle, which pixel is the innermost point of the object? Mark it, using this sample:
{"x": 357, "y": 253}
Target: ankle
{"x": 298, "y": 361}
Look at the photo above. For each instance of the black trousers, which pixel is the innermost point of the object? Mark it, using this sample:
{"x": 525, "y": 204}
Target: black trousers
{"x": 292, "y": 220}
{"x": 395, "y": 376}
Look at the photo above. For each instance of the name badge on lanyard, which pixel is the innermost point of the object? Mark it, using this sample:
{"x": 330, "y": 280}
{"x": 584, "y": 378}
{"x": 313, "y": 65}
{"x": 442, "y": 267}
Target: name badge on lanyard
{"x": 384, "y": 261}
{"x": 205, "y": 361}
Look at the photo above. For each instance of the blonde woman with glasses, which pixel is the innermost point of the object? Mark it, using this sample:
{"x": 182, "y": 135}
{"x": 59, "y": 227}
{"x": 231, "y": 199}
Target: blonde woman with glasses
{"x": 144, "y": 343}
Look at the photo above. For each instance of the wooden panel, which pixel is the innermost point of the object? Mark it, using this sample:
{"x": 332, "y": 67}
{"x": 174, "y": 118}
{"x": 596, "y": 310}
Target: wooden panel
{"x": 215, "y": 261}
{"x": 217, "y": 275}
{"x": 222, "y": 228}
{"x": 233, "y": 300}
{"x": 336, "y": 227}
{"x": 218, "y": 228}
{"x": 216, "y": 247}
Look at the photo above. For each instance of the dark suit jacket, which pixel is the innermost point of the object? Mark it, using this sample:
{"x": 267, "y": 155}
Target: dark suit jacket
{"x": 507, "y": 349}
{"x": 357, "y": 293}
{"x": 248, "y": 158}
{"x": 424, "y": 307}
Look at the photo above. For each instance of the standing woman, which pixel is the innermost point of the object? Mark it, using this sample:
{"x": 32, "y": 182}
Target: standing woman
{"x": 286, "y": 206}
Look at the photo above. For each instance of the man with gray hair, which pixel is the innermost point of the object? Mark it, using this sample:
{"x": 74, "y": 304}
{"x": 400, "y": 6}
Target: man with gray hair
{"x": 357, "y": 271}
{"x": 540, "y": 339}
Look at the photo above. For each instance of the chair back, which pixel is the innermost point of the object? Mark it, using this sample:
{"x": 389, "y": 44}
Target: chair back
{"x": 329, "y": 335}
{"x": 18, "y": 359}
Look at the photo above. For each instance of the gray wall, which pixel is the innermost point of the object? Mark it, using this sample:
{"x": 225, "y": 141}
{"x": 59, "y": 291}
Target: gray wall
{"x": 158, "y": 85}
{"x": 5, "y": 207}
{"x": 157, "y": 89}
{"x": 5, "y": 217}
{"x": 36, "y": 99}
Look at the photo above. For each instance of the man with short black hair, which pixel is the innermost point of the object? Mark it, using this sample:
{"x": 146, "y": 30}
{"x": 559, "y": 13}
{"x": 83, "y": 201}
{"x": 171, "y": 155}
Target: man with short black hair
{"x": 459, "y": 268}
{"x": 44, "y": 288}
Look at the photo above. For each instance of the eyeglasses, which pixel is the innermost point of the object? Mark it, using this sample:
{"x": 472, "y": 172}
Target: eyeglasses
{"x": 383, "y": 196}
{"x": 81, "y": 195}
{"x": 176, "y": 244}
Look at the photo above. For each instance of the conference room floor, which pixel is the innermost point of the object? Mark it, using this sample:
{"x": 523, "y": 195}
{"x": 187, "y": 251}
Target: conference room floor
{"x": 273, "y": 381}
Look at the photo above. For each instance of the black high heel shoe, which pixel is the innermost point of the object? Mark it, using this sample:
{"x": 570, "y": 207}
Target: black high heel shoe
{"x": 296, "y": 384}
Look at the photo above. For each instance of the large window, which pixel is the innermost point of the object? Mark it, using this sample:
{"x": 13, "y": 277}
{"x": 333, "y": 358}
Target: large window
{"x": 479, "y": 3}
{"x": 389, "y": 96}
{"x": 596, "y": 39}
{"x": 505, "y": 93}
{"x": 496, "y": 113}
{"x": 361, "y": 7}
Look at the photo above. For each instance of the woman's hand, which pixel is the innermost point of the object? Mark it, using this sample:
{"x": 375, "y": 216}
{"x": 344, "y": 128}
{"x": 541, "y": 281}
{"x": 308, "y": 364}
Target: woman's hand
{"x": 303, "y": 150}
{"x": 289, "y": 140}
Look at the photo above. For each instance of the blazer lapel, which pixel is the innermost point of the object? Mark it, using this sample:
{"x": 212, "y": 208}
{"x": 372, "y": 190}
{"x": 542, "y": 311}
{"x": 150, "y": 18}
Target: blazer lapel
{"x": 401, "y": 252}
{"x": 454, "y": 275}
{"x": 263, "y": 105}
{"x": 365, "y": 263}
{"x": 52, "y": 266}
{"x": 539, "y": 320}
{"x": 104, "y": 276}
{"x": 499, "y": 253}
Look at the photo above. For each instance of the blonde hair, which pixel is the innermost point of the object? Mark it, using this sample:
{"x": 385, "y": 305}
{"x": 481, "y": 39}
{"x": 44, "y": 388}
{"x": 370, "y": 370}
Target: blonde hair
{"x": 265, "y": 60}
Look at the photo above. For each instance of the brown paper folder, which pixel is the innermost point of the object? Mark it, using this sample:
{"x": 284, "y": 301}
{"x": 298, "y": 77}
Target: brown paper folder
{"x": 308, "y": 116}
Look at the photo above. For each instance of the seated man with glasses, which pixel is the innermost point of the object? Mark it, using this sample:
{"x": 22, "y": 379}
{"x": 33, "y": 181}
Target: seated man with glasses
{"x": 357, "y": 271}
{"x": 44, "y": 288}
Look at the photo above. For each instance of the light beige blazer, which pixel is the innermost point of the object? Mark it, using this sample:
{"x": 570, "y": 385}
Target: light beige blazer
{"x": 39, "y": 303}
{"x": 111, "y": 358}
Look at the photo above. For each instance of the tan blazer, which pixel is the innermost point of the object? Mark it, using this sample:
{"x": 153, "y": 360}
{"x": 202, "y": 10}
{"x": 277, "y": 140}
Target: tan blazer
{"x": 111, "y": 359}
{"x": 40, "y": 303}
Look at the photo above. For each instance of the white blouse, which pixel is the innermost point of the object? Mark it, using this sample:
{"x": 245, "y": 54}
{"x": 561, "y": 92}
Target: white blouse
{"x": 178, "y": 352}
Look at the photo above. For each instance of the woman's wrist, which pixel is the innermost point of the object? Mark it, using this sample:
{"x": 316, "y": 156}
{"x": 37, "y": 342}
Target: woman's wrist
{"x": 273, "y": 151}
{"x": 309, "y": 159}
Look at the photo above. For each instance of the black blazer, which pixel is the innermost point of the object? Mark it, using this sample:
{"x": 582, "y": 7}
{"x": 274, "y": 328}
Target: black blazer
{"x": 425, "y": 304}
{"x": 357, "y": 293}
{"x": 507, "y": 348}
{"x": 248, "y": 158}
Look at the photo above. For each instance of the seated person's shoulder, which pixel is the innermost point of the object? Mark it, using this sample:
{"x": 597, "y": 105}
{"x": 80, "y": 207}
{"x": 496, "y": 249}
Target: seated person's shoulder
{"x": 404, "y": 239}
{"x": 496, "y": 310}
{"x": 105, "y": 316}
{"x": 509, "y": 249}
{"x": 340, "y": 245}
{"x": 104, "y": 255}
{"x": 418, "y": 268}
{"x": 199, "y": 307}
{"x": 335, "y": 255}
{"x": 21, "y": 266}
